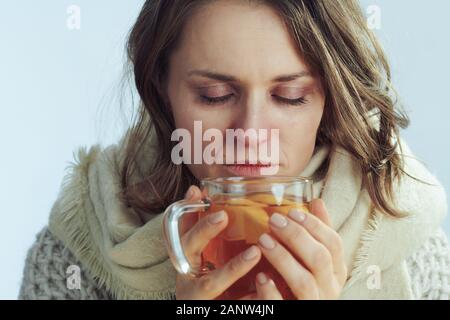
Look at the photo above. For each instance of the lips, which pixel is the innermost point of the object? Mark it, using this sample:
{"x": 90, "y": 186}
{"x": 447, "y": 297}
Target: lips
{"x": 246, "y": 170}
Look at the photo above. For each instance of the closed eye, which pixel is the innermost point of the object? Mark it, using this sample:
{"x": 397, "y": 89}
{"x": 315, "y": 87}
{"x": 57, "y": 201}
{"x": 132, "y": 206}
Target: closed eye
{"x": 223, "y": 99}
{"x": 293, "y": 102}
{"x": 215, "y": 100}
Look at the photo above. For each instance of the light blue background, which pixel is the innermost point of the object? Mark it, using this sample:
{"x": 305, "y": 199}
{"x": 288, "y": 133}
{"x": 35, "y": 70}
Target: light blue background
{"x": 59, "y": 90}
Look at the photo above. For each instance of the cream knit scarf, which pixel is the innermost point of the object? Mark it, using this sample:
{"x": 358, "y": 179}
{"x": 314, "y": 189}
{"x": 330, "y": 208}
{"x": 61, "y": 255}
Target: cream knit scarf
{"x": 125, "y": 251}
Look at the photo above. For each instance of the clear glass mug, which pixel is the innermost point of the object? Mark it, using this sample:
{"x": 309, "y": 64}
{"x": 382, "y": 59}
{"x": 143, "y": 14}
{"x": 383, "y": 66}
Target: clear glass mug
{"x": 249, "y": 203}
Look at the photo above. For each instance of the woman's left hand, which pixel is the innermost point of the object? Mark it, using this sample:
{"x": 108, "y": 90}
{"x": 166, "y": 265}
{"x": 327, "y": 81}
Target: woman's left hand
{"x": 316, "y": 267}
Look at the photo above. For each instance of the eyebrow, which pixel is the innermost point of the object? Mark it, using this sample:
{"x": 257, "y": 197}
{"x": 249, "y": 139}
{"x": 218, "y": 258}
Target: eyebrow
{"x": 228, "y": 78}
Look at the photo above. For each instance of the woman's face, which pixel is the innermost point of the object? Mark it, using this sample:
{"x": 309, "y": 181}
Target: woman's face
{"x": 236, "y": 67}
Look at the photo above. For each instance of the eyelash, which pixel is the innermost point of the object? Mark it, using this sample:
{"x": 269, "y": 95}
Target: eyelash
{"x": 215, "y": 100}
{"x": 220, "y": 100}
{"x": 292, "y": 102}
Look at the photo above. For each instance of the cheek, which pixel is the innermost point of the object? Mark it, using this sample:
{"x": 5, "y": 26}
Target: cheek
{"x": 181, "y": 110}
{"x": 180, "y": 104}
{"x": 298, "y": 141}
{"x": 298, "y": 145}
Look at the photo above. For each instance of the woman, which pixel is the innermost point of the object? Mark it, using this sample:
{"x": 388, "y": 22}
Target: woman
{"x": 311, "y": 69}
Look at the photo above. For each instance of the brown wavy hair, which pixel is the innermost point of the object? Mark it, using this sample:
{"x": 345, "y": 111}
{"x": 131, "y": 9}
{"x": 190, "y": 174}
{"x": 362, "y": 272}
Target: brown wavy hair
{"x": 335, "y": 42}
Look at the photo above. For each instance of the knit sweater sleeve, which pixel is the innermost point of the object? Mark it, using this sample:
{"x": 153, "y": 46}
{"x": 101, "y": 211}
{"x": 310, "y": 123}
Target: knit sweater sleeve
{"x": 48, "y": 262}
{"x": 49, "y": 271}
{"x": 429, "y": 269}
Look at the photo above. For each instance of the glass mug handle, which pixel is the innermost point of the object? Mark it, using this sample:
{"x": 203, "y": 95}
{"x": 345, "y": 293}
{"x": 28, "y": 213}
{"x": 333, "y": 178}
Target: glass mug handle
{"x": 171, "y": 218}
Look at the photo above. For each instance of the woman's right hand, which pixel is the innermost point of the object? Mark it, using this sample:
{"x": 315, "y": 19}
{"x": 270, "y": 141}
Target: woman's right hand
{"x": 194, "y": 239}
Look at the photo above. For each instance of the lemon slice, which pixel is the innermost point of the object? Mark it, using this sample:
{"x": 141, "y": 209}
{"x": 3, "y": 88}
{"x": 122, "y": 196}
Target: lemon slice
{"x": 256, "y": 223}
{"x": 285, "y": 209}
{"x": 270, "y": 199}
{"x": 244, "y": 222}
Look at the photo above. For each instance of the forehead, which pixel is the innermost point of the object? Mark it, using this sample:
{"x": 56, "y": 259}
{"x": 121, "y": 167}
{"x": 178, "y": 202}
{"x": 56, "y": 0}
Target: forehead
{"x": 248, "y": 41}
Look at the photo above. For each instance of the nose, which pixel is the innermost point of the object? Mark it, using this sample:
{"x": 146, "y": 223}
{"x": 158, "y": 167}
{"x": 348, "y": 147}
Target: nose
{"x": 253, "y": 115}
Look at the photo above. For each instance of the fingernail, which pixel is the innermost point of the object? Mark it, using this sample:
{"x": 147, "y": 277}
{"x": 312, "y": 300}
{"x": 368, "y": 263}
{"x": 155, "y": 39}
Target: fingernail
{"x": 189, "y": 193}
{"x": 297, "y": 215}
{"x": 261, "y": 278}
{"x": 217, "y": 217}
{"x": 266, "y": 241}
{"x": 250, "y": 253}
{"x": 278, "y": 220}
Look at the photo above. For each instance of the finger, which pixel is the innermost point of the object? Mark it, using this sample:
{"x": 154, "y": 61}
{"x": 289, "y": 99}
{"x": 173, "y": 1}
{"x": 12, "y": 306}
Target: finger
{"x": 314, "y": 255}
{"x": 266, "y": 288}
{"x": 325, "y": 235}
{"x": 189, "y": 219}
{"x": 319, "y": 210}
{"x": 216, "y": 282}
{"x": 193, "y": 193}
{"x": 250, "y": 296}
{"x": 298, "y": 278}
{"x": 197, "y": 238}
